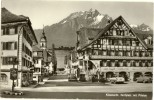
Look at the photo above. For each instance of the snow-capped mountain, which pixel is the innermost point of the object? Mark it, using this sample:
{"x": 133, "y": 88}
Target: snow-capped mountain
{"x": 63, "y": 33}
{"x": 142, "y": 27}
{"x": 91, "y": 18}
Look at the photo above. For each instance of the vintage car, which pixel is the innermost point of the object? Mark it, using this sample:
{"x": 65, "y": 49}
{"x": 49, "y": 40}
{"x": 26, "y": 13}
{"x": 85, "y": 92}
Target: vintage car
{"x": 144, "y": 79}
{"x": 117, "y": 80}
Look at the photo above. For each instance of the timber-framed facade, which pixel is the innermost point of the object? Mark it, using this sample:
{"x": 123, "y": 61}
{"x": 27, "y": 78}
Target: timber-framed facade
{"x": 115, "y": 49}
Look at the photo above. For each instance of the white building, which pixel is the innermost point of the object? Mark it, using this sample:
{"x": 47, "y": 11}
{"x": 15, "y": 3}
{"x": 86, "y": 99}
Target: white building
{"x": 17, "y": 38}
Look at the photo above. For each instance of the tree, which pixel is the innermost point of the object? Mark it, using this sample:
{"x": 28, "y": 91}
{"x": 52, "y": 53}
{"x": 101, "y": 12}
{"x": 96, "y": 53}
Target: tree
{"x": 54, "y": 59}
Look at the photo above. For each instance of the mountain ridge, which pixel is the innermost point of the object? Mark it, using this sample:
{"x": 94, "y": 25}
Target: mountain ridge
{"x": 63, "y": 33}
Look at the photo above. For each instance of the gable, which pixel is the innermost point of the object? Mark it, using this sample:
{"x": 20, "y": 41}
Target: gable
{"x": 120, "y": 28}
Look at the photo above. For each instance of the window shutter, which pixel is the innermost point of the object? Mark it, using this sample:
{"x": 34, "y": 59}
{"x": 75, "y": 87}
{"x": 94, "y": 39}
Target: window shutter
{"x": 16, "y": 30}
{"x": 15, "y": 47}
{"x": 4, "y": 31}
{"x": 7, "y": 31}
{"x": 4, "y": 45}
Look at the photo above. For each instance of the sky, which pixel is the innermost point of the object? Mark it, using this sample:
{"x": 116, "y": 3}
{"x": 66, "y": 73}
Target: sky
{"x": 48, "y": 12}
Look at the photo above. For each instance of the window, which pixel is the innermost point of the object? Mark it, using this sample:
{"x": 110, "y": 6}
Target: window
{"x": 95, "y": 52}
{"x": 81, "y": 63}
{"x": 116, "y": 53}
{"x": 121, "y": 63}
{"x": 136, "y": 53}
{"x": 12, "y": 31}
{"x": 104, "y": 41}
{"x": 9, "y": 31}
{"x": 36, "y": 61}
{"x": 2, "y": 30}
{"x": 26, "y": 36}
{"x": 112, "y": 63}
{"x": 112, "y": 53}
{"x": 101, "y": 63}
{"x": 7, "y": 60}
{"x": 26, "y": 50}
{"x": 118, "y": 32}
{"x": 99, "y": 52}
{"x": 149, "y": 64}
{"x": 120, "y": 42}
{"x": 114, "y": 32}
{"x": 104, "y": 53}
{"x": 120, "y": 53}
{"x": 111, "y": 32}
{"x": 108, "y": 63}
{"x": 116, "y": 42}
{"x": 127, "y": 42}
{"x": 128, "y": 63}
{"x": 9, "y": 45}
{"x": 124, "y": 63}
{"x": 116, "y": 63}
{"x": 143, "y": 63}
{"x": 126, "y": 33}
{"x": 137, "y": 63}
{"x": 133, "y": 43}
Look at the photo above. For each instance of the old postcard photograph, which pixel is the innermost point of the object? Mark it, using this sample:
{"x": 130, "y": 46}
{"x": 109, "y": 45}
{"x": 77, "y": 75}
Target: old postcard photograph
{"x": 69, "y": 49}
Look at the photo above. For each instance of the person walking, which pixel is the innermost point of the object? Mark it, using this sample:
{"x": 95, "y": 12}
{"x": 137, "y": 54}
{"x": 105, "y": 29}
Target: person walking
{"x": 98, "y": 75}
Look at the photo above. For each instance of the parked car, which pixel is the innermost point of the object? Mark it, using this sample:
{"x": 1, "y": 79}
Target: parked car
{"x": 72, "y": 77}
{"x": 82, "y": 78}
{"x": 144, "y": 79}
{"x": 117, "y": 80}
{"x": 94, "y": 78}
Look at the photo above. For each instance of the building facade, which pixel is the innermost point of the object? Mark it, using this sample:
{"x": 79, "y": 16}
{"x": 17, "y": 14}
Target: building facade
{"x": 45, "y": 65}
{"x": 37, "y": 64}
{"x": 116, "y": 49}
{"x": 41, "y": 68}
{"x": 17, "y": 38}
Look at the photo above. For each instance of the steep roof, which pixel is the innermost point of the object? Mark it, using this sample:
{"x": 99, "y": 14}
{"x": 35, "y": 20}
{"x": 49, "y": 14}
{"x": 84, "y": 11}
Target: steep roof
{"x": 140, "y": 35}
{"x": 101, "y": 32}
{"x": 8, "y": 17}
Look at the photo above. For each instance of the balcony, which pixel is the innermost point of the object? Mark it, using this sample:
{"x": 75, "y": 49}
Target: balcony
{"x": 95, "y": 57}
{"x": 118, "y": 36}
{"x": 120, "y": 47}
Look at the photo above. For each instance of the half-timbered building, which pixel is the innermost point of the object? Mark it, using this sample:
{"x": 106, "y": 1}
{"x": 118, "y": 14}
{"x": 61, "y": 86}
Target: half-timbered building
{"x": 115, "y": 49}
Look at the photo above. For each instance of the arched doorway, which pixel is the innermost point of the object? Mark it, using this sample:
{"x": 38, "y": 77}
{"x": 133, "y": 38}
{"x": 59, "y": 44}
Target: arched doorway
{"x": 148, "y": 73}
{"x": 136, "y": 75}
{"x": 109, "y": 74}
{"x": 124, "y": 75}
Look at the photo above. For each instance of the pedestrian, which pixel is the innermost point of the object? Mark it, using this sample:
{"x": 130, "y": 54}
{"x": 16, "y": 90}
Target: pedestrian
{"x": 78, "y": 74}
{"x": 98, "y": 75}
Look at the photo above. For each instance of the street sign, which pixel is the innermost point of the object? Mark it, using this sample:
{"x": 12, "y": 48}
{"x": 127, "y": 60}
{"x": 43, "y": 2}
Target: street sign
{"x": 13, "y": 73}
